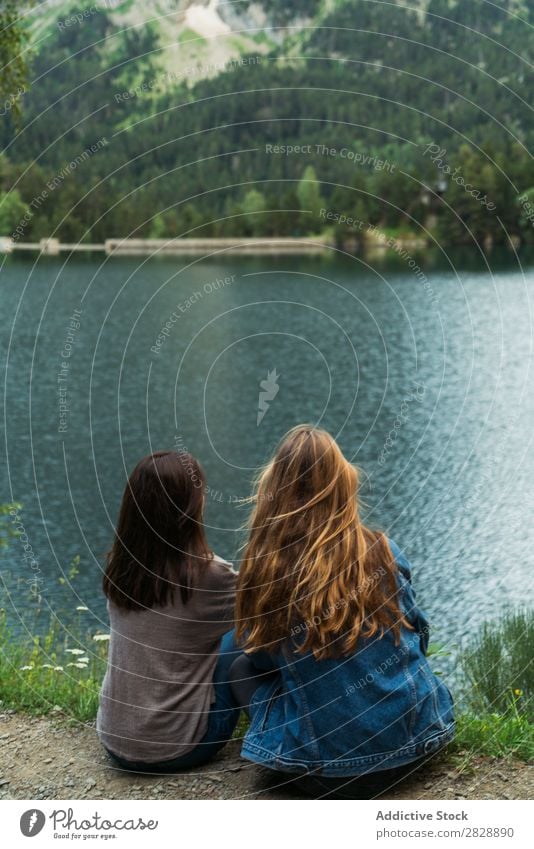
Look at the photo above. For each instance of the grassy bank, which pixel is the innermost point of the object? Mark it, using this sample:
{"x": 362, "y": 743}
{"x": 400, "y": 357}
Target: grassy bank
{"x": 498, "y": 698}
{"x": 495, "y": 735}
{"x": 51, "y": 673}
{"x": 54, "y": 673}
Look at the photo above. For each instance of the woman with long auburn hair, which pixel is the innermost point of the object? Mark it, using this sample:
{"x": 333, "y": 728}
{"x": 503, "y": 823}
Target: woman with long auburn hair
{"x": 166, "y": 701}
{"x": 335, "y": 677}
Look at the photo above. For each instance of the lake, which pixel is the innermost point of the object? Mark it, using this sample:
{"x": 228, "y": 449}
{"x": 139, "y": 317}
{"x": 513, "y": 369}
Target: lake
{"x": 425, "y": 380}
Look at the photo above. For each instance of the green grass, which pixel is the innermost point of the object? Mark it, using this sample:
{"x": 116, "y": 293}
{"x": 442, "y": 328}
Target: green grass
{"x": 495, "y": 735}
{"x": 498, "y": 696}
{"x": 50, "y": 672}
{"x": 241, "y": 727}
{"x": 499, "y": 667}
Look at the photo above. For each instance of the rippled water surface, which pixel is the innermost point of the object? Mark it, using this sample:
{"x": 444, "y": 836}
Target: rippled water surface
{"x": 425, "y": 380}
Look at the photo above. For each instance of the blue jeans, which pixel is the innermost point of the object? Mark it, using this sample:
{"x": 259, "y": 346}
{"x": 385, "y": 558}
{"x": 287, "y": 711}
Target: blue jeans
{"x": 222, "y": 719}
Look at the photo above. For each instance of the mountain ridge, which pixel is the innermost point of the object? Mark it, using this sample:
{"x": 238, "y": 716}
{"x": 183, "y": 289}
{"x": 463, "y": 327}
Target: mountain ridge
{"x": 188, "y": 141}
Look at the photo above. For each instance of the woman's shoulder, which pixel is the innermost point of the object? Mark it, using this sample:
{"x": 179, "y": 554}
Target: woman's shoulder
{"x": 219, "y": 574}
{"x": 219, "y": 564}
{"x": 401, "y": 560}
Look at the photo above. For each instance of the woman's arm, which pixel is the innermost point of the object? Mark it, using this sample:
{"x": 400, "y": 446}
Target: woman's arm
{"x": 412, "y": 611}
{"x": 219, "y": 596}
{"x": 262, "y": 661}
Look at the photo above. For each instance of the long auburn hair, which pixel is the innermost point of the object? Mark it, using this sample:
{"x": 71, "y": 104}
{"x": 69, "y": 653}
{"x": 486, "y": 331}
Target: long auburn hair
{"x": 160, "y": 540}
{"x": 311, "y": 570}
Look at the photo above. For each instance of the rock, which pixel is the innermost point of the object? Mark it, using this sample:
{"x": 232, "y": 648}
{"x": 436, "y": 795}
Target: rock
{"x": 4, "y": 781}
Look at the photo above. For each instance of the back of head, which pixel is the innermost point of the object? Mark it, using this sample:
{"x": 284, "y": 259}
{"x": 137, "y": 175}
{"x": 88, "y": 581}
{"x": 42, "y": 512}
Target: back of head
{"x": 311, "y": 570}
{"x": 160, "y": 539}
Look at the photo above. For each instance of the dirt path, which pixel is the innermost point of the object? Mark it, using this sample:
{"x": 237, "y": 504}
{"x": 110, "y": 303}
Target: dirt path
{"x": 44, "y": 758}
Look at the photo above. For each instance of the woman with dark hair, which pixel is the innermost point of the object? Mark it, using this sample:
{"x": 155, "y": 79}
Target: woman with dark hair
{"x": 166, "y": 703}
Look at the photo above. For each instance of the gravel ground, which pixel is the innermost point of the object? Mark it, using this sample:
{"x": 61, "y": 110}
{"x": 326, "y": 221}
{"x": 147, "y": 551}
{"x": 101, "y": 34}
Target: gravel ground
{"x": 46, "y": 758}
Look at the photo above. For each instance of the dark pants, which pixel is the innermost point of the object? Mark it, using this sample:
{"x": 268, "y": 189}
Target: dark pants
{"x": 222, "y": 720}
{"x": 360, "y": 787}
{"x": 245, "y": 679}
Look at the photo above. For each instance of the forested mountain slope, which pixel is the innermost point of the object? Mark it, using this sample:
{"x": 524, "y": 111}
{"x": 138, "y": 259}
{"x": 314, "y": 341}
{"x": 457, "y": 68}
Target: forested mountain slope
{"x": 199, "y": 102}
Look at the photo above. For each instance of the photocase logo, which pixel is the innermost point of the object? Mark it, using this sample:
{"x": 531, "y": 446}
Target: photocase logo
{"x": 32, "y": 822}
{"x": 268, "y": 392}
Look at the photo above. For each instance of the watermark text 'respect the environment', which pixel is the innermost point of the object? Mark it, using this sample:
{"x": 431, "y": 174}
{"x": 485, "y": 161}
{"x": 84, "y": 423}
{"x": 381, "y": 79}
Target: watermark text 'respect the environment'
{"x": 53, "y": 184}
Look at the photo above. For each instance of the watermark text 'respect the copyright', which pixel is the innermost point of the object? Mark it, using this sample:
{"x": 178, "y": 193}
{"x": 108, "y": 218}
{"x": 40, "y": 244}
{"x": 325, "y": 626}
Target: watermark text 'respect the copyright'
{"x": 64, "y": 372}
{"x": 354, "y": 156}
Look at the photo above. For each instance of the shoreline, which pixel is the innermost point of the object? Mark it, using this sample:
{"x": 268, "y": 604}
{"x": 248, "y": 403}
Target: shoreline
{"x": 176, "y": 247}
{"x": 244, "y": 246}
{"x": 312, "y": 246}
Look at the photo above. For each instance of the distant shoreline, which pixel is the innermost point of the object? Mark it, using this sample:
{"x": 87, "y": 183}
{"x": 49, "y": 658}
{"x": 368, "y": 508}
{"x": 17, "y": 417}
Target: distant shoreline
{"x": 176, "y": 247}
{"x": 303, "y": 245}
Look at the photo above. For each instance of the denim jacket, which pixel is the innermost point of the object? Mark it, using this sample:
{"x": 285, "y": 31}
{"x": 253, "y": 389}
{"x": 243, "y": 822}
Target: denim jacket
{"x": 376, "y": 709}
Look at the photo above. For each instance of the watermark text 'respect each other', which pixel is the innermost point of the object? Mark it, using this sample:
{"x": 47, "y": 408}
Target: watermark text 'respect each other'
{"x": 184, "y": 306}
{"x": 327, "y": 613}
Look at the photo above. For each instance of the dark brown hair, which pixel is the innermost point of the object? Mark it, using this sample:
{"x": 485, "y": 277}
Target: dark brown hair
{"x": 160, "y": 539}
